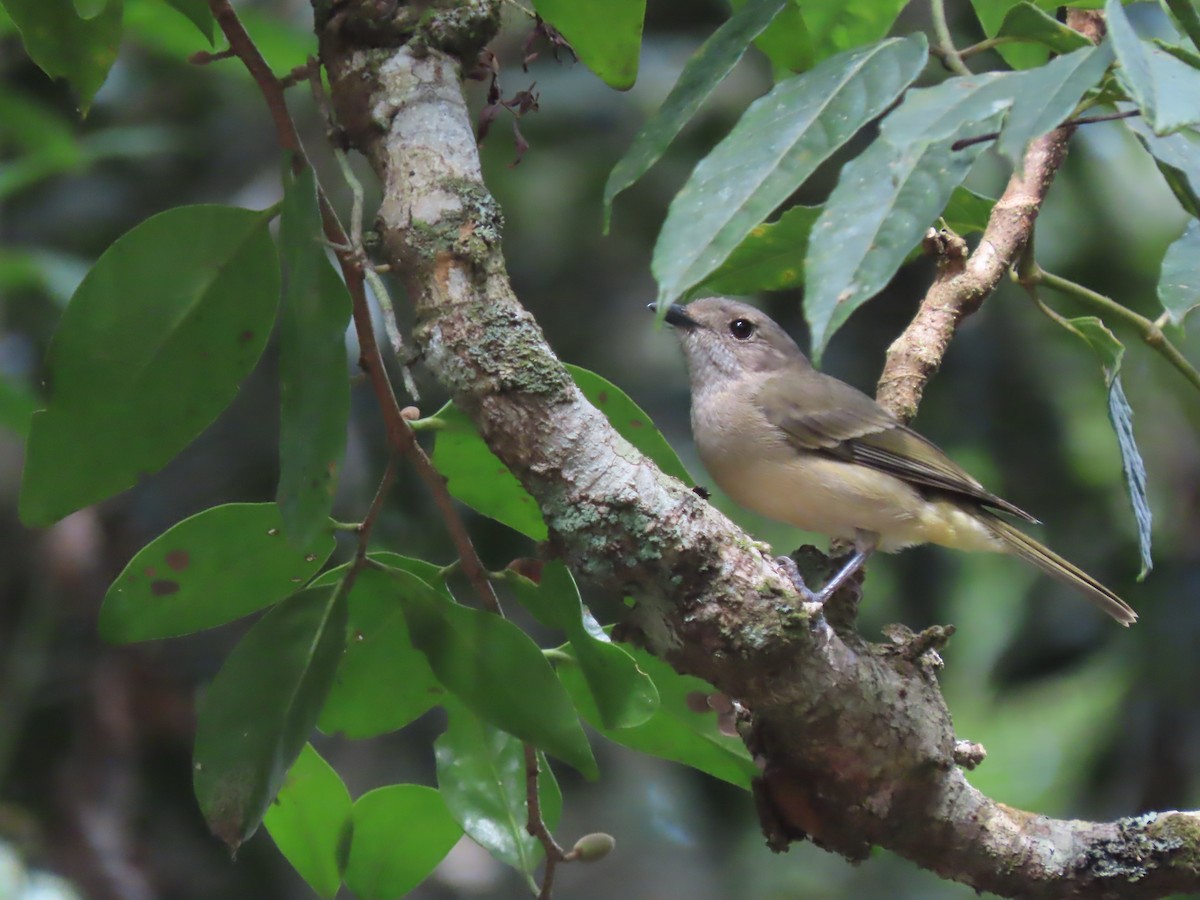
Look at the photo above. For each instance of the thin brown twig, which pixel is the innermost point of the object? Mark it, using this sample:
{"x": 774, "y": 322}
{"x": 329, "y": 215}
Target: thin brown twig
{"x": 1081, "y": 120}
{"x": 400, "y": 437}
{"x": 536, "y": 826}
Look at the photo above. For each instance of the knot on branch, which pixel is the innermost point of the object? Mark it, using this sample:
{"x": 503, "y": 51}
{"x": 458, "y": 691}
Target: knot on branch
{"x": 458, "y": 27}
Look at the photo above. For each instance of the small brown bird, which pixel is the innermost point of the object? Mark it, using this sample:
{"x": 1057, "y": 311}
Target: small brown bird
{"x": 804, "y": 448}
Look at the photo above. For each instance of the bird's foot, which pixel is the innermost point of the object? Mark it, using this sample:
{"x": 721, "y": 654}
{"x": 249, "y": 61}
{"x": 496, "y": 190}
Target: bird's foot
{"x": 793, "y": 574}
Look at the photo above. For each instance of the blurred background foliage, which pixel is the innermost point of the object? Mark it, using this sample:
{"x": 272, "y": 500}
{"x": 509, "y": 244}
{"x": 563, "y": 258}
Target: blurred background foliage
{"x": 1080, "y": 718}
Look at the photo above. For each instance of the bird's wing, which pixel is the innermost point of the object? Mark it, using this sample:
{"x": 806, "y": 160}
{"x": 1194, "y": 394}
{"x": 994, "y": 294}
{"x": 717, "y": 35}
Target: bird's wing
{"x": 841, "y": 421}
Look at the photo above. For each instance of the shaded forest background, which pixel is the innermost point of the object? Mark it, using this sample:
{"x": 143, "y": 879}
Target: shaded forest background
{"x": 1080, "y": 718}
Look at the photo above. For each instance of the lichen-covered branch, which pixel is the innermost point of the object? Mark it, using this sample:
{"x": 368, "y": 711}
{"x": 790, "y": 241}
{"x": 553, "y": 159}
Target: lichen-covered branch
{"x": 856, "y": 742}
{"x": 962, "y": 285}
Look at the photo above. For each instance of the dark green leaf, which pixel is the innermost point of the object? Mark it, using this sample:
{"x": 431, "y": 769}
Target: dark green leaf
{"x": 398, "y": 835}
{"x": 494, "y": 668}
{"x": 1183, "y": 54}
{"x": 785, "y": 42}
{"x": 383, "y": 682}
{"x": 1179, "y": 283}
{"x": 991, "y": 15}
{"x": 777, "y": 144}
{"x": 1163, "y": 87}
{"x": 1026, "y": 22}
{"x": 883, "y": 203}
{"x": 151, "y": 348}
{"x": 674, "y": 732}
{"x": 260, "y": 709}
{"x": 17, "y": 405}
{"x": 771, "y": 258}
{"x": 1187, "y": 16}
{"x": 307, "y": 818}
{"x": 834, "y": 27}
{"x": 212, "y": 568}
{"x": 629, "y": 421}
{"x": 314, "y": 385}
{"x": 66, "y": 45}
{"x": 625, "y": 696}
{"x": 605, "y": 34}
{"x": 704, "y": 71}
{"x": 198, "y": 13}
{"x": 1178, "y": 159}
{"x": 481, "y": 774}
{"x": 968, "y": 212}
{"x": 1111, "y": 352}
{"x": 476, "y": 476}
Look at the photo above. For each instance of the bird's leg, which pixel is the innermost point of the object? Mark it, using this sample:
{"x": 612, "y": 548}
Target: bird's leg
{"x": 797, "y": 580}
{"x": 864, "y": 546}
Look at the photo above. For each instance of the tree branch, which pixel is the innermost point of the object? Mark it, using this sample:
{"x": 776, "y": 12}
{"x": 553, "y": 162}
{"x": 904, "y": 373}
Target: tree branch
{"x": 857, "y": 744}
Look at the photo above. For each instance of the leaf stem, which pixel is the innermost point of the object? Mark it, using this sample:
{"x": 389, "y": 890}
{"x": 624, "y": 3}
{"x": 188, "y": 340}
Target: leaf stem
{"x": 1151, "y": 332}
{"x": 941, "y": 30}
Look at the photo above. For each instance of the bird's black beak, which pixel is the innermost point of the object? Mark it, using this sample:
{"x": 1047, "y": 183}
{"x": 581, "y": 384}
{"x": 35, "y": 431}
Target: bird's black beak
{"x": 676, "y": 316}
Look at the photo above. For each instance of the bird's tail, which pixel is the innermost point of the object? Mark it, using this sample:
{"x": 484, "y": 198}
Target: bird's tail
{"x": 1022, "y": 545}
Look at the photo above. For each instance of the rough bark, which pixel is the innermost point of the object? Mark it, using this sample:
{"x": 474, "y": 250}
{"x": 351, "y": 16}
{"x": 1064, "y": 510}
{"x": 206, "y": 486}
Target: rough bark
{"x": 856, "y": 743}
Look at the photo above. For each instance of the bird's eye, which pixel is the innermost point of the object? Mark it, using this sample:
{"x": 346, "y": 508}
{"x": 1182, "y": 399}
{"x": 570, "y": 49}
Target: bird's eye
{"x": 742, "y": 329}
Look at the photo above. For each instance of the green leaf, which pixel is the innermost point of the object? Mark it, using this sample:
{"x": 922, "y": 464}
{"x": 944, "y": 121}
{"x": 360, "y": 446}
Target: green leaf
{"x": 1026, "y": 22}
{"x": 968, "y": 212}
{"x": 198, "y": 13}
{"x": 1183, "y": 54}
{"x": 383, "y": 682}
{"x": 674, "y": 732}
{"x": 398, "y": 835}
{"x": 150, "y": 349}
{"x": 1163, "y": 87}
{"x": 834, "y": 27}
{"x": 991, "y": 15}
{"x": 307, "y": 818}
{"x": 1178, "y": 159}
{"x": 209, "y": 569}
{"x": 771, "y": 258}
{"x": 1179, "y": 283}
{"x": 476, "y": 476}
{"x": 17, "y": 405}
{"x": 777, "y": 144}
{"x": 703, "y": 72}
{"x": 481, "y": 774}
{"x": 884, "y": 201}
{"x": 66, "y": 45}
{"x": 313, "y": 383}
{"x": 1187, "y": 16}
{"x": 260, "y": 709}
{"x": 1111, "y": 352}
{"x": 1048, "y": 95}
{"x": 624, "y": 694}
{"x": 629, "y": 421}
{"x": 606, "y": 35}
{"x": 494, "y": 668}
{"x": 785, "y": 42}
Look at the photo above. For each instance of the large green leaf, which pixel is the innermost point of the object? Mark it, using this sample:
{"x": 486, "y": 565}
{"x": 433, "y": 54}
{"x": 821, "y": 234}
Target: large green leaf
{"x": 383, "y": 682}
{"x": 703, "y": 72}
{"x": 785, "y": 41}
{"x": 844, "y": 25}
{"x": 1178, "y": 159}
{"x": 1164, "y": 88}
{"x": 198, "y": 13}
{"x": 605, "y": 34}
{"x": 64, "y": 44}
{"x": 624, "y": 694}
{"x": 629, "y": 421}
{"x": 209, "y": 569}
{"x": 260, "y": 709}
{"x": 992, "y": 14}
{"x": 1026, "y": 22}
{"x": 777, "y": 144}
{"x": 398, "y": 834}
{"x": 1187, "y": 16}
{"x": 883, "y": 203}
{"x": 968, "y": 212}
{"x": 495, "y": 669}
{"x": 307, "y": 818}
{"x": 771, "y": 258}
{"x": 314, "y": 385}
{"x": 481, "y": 774}
{"x": 675, "y": 731}
{"x": 1179, "y": 283}
{"x": 151, "y": 348}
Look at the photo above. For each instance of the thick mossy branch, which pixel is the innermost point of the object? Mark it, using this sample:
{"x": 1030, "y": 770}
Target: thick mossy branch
{"x": 856, "y": 742}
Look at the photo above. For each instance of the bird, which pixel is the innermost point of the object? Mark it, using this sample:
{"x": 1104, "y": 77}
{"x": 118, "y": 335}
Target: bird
{"x": 809, "y": 450}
